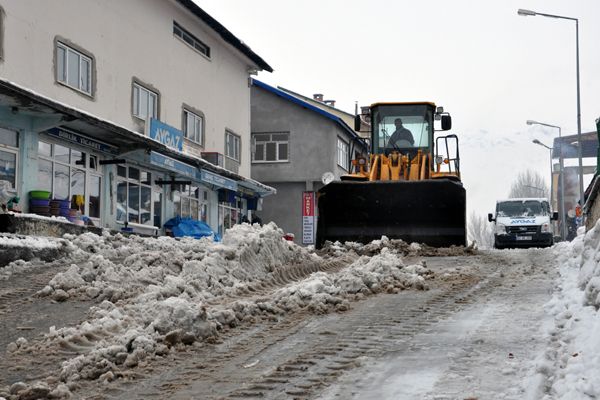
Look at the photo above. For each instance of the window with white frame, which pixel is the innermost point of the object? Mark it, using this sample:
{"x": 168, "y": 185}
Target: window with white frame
{"x": 70, "y": 174}
{"x": 342, "y": 153}
{"x": 230, "y": 213}
{"x": 145, "y": 102}
{"x": 191, "y": 202}
{"x": 73, "y": 68}
{"x": 232, "y": 146}
{"x": 270, "y": 147}
{"x": 9, "y": 150}
{"x": 190, "y": 39}
{"x": 193, "y": 127}
{"x": 138, "y": 201}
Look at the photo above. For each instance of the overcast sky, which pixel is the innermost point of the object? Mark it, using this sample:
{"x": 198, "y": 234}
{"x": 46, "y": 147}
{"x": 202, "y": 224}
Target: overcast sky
{"x": 490, "y": 68}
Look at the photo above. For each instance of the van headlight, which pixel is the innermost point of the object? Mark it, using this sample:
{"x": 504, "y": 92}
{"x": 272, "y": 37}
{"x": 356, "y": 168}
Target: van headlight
{"x": 500, "y": 229}
{"x": 545, "y": 228}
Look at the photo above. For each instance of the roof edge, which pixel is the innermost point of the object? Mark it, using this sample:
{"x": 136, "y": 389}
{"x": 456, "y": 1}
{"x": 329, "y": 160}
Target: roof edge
{"x": 302, "y": 103}
{"x": 225, "y": 34}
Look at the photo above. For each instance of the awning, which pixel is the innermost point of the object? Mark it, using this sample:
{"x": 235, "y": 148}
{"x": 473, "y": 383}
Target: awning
{"x": 218, "y": 180}
{"x": 24, "y": 106}
{"x": 173, "y": 165}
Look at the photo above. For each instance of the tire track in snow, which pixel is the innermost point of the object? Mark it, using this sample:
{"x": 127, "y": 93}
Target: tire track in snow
{"x": 289, "y": 361}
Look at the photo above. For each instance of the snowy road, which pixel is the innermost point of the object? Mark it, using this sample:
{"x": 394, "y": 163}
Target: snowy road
{"x": 471, "y": 335}
{"x": 116, "y": 320}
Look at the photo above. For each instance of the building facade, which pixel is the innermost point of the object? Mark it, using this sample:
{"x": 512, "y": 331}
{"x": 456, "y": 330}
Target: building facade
{"x": 295, "y": 145}
{"x": 134, "y": 112}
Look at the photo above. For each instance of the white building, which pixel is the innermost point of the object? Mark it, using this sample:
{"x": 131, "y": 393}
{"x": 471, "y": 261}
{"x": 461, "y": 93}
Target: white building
{"x": 117, "y": 106}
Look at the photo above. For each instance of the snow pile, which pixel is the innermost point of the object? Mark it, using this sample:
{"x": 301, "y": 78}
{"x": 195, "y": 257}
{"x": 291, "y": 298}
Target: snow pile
{"x": 322, "y": 292}
{"x": 156, "y": 293}
{"x": 16, "y": 267}
{"x": 53, "y": 218}
{"x": 589, "y": 275}
{"x": 30, "y": 242}
{"x": 398, "y": 245}
{"x": 571, "y": 365}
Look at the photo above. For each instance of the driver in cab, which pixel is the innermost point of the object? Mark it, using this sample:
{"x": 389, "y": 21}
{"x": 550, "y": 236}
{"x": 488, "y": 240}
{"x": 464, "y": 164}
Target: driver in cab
{"x": 401, "y": 136}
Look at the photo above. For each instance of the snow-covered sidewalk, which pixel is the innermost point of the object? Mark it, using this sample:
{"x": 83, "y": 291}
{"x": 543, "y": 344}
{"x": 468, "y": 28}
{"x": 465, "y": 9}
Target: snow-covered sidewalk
{"x": 570, "y": 366}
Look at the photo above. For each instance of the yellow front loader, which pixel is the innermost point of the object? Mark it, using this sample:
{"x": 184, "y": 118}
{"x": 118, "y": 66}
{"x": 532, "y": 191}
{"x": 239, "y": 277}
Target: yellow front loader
{"x": 409, "y": 187}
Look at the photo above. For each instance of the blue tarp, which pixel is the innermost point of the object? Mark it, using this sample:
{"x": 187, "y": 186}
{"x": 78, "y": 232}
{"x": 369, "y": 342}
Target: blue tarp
{"x": 181, "y": 227}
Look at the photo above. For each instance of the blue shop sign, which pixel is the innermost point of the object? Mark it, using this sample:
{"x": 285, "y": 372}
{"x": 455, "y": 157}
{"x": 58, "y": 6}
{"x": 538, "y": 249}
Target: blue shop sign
{"x": 173, "y": 165}
{"x": 165, "y": 134}
{"x": 218, "y": 180}
{"x": 82, "y": 140}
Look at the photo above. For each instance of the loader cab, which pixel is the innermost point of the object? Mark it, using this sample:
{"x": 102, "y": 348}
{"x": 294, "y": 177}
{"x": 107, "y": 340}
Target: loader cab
{"x": 414, "y": 132}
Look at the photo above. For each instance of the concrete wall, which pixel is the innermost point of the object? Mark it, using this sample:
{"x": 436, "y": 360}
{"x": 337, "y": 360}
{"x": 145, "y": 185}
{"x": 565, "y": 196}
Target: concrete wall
{"x": 312, "y": 151}
{"x": 129, "y": 40}
{"x": 312, "y": 145}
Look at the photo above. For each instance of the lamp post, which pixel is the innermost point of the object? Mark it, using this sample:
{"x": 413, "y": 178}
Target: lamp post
{"x": 563, "y": 226}
{"x": 549, "y": 148}
{"x": 530, "y": 13}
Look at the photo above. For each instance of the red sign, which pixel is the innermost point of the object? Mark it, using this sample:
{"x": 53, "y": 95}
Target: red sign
{"x": 308, "y": 217}
{"x": 308, "y": 204}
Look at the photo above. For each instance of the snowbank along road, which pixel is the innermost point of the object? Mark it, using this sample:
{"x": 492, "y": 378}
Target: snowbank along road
{"x": 256, "y": 316}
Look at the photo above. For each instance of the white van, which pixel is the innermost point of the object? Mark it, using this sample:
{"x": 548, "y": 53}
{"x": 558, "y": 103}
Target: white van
{"x": 523, "y": 222}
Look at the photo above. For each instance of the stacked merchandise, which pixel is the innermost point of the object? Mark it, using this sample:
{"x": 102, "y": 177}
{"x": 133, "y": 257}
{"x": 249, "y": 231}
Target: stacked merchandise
{"x": 39, "y": 202}
{"x": 60, "y": 208}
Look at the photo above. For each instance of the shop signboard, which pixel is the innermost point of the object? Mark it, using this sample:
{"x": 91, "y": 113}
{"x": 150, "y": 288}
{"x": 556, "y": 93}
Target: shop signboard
{"x": 308, "y": 217}
{"x": 82, "y": 140}
{"x": 218, "y": 180}
{"x": 165, "y": 134}
{"x": 173, "y": 165}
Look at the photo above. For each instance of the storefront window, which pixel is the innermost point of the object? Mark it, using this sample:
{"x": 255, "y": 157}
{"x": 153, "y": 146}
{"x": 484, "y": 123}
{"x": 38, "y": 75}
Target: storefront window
{"x": 137, "y": 200}
{"x": 121, "y": 201}
{"x": 145, "y": 205}
{"x": 191, "y": 202}
{"x": 8, "y": 167}
{"x": 45, "y": 149}
{"x": 157, "y": 202}
{"x": 95, "y": 191}
{"x": 61, "y": 182}
{"x": 230, "y": 213}
{"x": 44, "y": 175}
{"x": 9, "y": 143}
{"x": 9, "y": 138}
{"x": 67, "y": 174}
{"x": 78, "y": 189}
{"x": 61, "y": 154}
{"x": 133, "y": 203}
{"x": 78, "y": 158}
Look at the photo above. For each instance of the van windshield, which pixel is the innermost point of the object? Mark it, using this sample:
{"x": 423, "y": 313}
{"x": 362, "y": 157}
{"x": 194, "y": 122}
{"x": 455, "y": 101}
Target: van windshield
{"x": 522, "y": 208}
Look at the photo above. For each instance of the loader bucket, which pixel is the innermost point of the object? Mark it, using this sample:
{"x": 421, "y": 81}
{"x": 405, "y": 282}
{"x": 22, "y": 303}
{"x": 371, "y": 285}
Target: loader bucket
{"x": 429, "y": 211}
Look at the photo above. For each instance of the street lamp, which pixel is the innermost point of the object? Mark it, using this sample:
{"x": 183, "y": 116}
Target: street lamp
{"x": 549, "y": 148}
{"x": 563, "y": 226}
{"x": 526, "y": 13}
